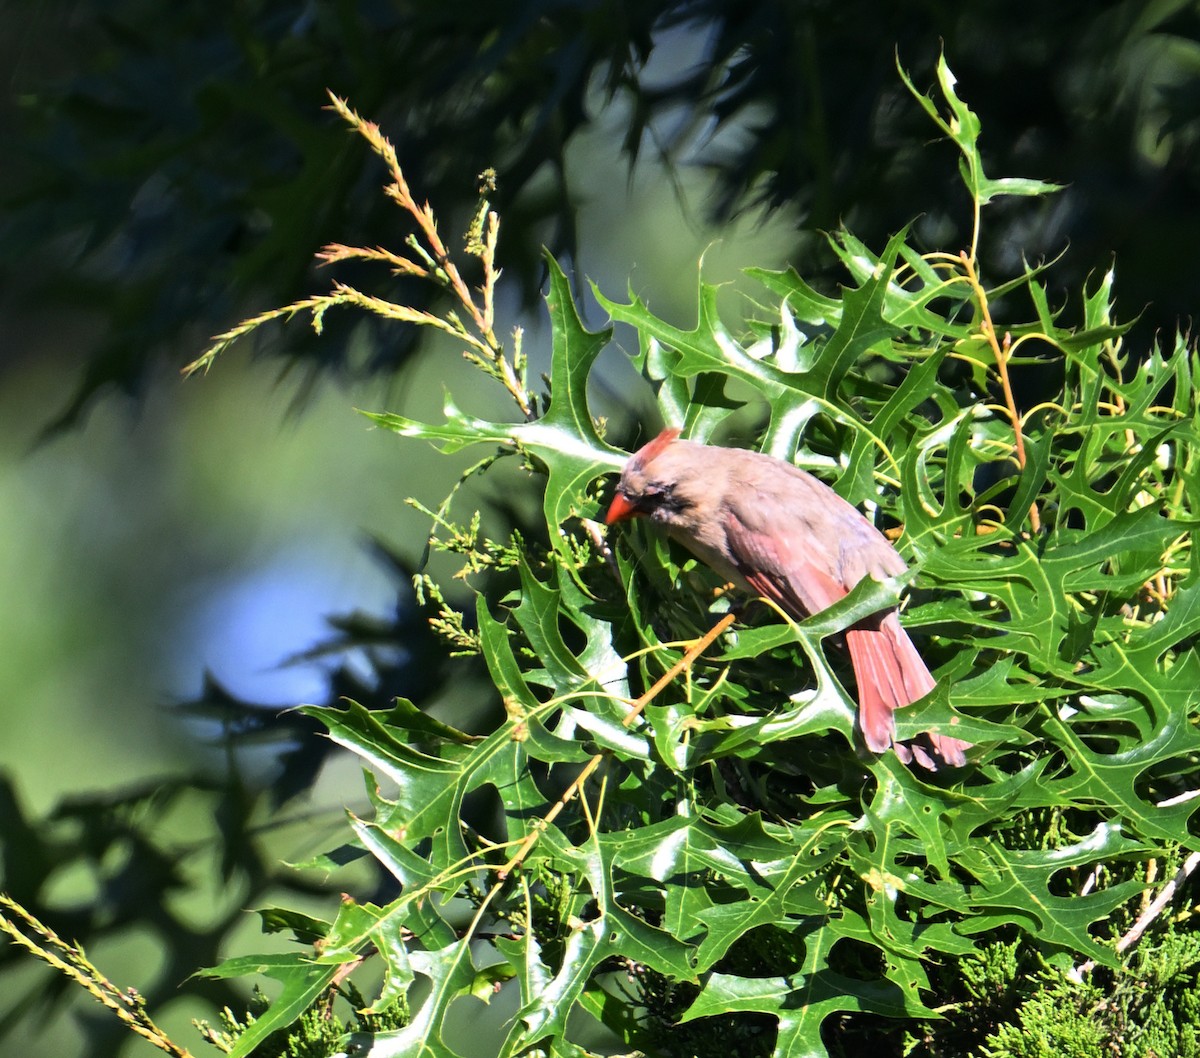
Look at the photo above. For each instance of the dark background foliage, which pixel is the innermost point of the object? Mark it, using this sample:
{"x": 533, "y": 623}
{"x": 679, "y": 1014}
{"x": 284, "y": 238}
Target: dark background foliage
{"x": 174, "y": 170}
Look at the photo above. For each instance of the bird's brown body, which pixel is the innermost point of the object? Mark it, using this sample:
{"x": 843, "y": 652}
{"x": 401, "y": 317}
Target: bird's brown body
{"x": 782, "y": 534}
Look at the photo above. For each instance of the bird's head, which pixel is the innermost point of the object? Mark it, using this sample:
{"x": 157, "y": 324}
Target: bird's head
{"x": 656, "y": 482}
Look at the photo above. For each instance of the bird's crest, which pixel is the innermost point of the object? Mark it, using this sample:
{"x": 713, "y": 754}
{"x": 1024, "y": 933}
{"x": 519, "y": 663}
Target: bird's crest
{"x": 652, "y": 449}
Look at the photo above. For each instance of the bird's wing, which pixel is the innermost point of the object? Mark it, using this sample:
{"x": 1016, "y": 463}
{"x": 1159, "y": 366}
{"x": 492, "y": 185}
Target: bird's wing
{"x": 779, "y": 571}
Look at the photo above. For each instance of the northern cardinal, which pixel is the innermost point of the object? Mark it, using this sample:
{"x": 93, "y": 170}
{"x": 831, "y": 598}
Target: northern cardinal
{"x": 780, "y": 533}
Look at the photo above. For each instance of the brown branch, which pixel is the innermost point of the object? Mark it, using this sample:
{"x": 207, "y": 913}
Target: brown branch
{"x": 1167, "y": 894}
{"x": 635, "y": 710}
{"x": 1002, "y": 351}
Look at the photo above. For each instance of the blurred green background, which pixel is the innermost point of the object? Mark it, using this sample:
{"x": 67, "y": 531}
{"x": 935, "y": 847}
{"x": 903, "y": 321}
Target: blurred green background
{"x": 167, "y": 544}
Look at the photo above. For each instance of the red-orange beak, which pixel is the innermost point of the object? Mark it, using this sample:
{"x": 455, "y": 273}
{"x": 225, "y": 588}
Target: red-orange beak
{"x": 620, "y": 510}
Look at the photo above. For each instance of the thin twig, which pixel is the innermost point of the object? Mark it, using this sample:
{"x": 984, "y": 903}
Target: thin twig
{"x": 1178, "y": 799}
{"x": 1167, "y": 894}
{"x": 1002, "y": 351}
{"x": 430, "y": 260}
{"x": 595, "y": 532}
{"x": 635, "y": 710}
{"x": 69, "y": 959}
{"x": 400, "y": 192}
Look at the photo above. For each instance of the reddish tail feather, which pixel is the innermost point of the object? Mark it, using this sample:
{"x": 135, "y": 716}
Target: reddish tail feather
{"x": 891, "y": 675}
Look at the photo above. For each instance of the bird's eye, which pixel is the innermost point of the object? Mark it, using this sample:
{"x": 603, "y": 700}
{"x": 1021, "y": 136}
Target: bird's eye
{"x": 660, "y": 500}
